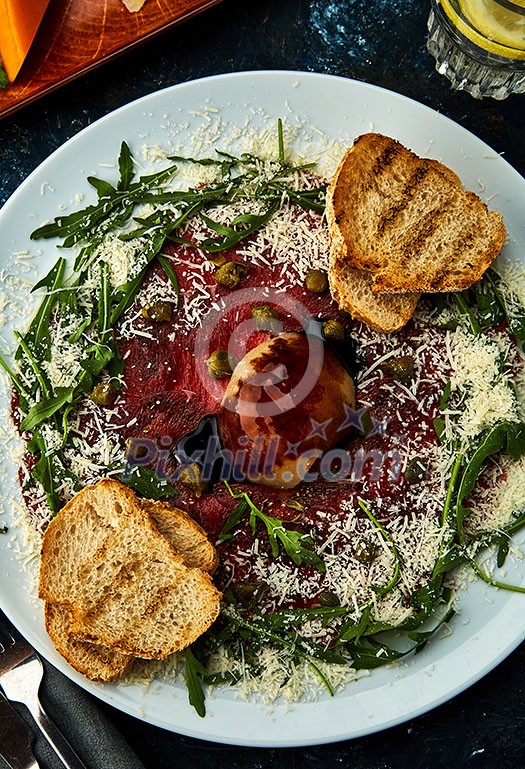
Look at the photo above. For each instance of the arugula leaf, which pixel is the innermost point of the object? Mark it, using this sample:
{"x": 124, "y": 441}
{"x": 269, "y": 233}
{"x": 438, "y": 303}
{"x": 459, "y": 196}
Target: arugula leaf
{"x": 439, "y": 427}
{"x": 126, "y": 168}
{"x": 488, "y": 300}
{"x": 23, "y": 393}
{"x": 37, "y": 336}
{"x": 485, "y": 305}
{"x": 233, "y": 520}
{"x": 503, "y": 550}
{"x": 45, "y": 408}
{"x": 280, "y": 140}
{"x": 4, "y": 80}
{"x": 426, "y": 598}
{"x": 383, "y": 590}
{"x": 352, "y": 630}
{"x": 445, "y": 397}
{"x": 111, "y": 210}
{"x": 291, "y": 618}
{"x": 194, "y": 675}
{"x": 146, "y": 482}
{"x": 49, "y": 470}
{"x": 504, "y": 436}
{"x": 104, "y": 304}
{"x": 39, "y": 374}
{"x": 227, "y": 163}
{"x": 491, "y": 581}
{"x": 262, "y": 629}
{"x": 43, "y": 471}
{"x": 125, "y": 296}
{"x": 453, "y": 556}
{"x": 465, "y": 310}
{"x": 512, "y": 309}
{"x": 297, "y": 545}
{"x": 313, "y": 200}
{"x": 229, "y": 236}
{"x": 374, "y": 653}
{"x": 104, "y": 189}
{"x": 168, "y": 268}
{"x": 423, "y": 637}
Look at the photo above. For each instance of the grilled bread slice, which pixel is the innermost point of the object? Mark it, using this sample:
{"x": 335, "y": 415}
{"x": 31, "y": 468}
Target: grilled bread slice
{"x": 407, "y": 220}
{"x": 185, "y": 536}
{"x": 98, "y": 662}
{"x": 350, "y": 286}
{"x": 124, "y": 585}
{"x": 95, "y": 661}
{"x": 352, "y": 290}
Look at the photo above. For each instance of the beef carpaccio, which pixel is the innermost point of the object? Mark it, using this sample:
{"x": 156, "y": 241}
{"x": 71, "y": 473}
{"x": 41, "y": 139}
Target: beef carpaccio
{"x": 418, "y": 475}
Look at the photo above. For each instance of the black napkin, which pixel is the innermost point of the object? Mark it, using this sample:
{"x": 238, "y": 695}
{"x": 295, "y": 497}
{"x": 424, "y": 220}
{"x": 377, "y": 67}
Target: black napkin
{"x": 81, "y": 720}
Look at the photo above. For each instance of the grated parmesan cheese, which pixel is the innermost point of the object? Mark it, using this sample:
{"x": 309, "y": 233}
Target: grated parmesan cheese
{"x": 481, "y": 366}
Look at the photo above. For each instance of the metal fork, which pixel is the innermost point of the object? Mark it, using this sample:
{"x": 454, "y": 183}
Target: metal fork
{"x": 21, "y": 673}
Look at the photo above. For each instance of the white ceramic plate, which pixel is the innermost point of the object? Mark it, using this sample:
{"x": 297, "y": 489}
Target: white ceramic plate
{"x": 492, "y": 623}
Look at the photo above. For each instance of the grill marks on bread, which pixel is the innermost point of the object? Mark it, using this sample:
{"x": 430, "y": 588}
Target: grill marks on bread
{"x": 418, "y": 229}
{"x": 351, "y": 283}
{"x": 408, "y": 223}
{"x": 124, "y": 578}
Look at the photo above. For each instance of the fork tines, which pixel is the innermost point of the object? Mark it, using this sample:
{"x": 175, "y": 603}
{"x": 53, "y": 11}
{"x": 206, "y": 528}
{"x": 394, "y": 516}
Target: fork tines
{"x": 13, "y": 647}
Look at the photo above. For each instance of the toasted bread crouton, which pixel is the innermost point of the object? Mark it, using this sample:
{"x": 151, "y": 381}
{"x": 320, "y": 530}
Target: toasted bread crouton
{"x": 95, "y": 661}
{"x": 124, "y": 585}
{"x": 351, "y": 287}
{"x": 407, "y": 220}
{"x": 184, "y": 535}
{"x": 352, "y": 291}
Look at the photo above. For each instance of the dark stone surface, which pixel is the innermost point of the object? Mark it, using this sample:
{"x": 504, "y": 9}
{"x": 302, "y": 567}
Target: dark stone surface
{"x": 381, "y": 42}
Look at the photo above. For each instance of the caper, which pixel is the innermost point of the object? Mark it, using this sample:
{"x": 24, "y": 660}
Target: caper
{"x": 217, "y": 259}
{"x": 365, "y": 551}
{"x": 416, "y": 471}
{"x": 265, "y": 317}
{"x": 367, "y": 423}
{"x": 333, "y": 330}
{"x": 191, "y": 477}
{"x": 104, "y": 394}
{"x": 294, "y": 504}
{"x": 400, "y": 368}
{"x": 316, "y": 281}
{"x": 219, "y": 364}
{"x": 327, "y": 598}
{"x": 158, "y": 310}
{"x": 247, "y": 593}
{"x": 230, "y": 274}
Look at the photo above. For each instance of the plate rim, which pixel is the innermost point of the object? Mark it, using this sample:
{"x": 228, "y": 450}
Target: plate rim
{"x": 105, "y": 694}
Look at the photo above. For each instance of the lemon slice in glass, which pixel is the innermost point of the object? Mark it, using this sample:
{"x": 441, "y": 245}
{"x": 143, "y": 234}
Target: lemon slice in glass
{"x": 497, "y": 22}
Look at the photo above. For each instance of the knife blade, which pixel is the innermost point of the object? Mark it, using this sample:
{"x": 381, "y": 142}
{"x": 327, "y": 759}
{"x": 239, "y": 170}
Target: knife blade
{"x": 16, "y": 738}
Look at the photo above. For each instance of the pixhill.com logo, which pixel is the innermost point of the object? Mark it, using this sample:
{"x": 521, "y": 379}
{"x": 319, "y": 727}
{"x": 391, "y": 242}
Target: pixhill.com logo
{"x": 216, "y": 463}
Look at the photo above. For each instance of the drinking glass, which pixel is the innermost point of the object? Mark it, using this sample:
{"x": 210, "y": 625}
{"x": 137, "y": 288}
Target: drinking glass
{"x": 479, "y": 45}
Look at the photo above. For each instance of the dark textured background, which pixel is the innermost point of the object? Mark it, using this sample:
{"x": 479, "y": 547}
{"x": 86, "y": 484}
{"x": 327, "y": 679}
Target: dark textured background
{"x": 384, "y": 43}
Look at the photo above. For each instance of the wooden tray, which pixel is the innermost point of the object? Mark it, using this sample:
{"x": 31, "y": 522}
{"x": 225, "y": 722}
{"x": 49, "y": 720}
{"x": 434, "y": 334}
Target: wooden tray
{"x": 78, "y": 35}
